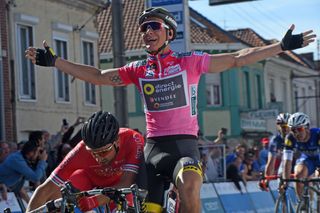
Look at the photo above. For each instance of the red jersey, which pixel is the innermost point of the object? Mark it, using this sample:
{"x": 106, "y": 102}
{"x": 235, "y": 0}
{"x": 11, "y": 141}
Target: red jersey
{"x": 90, "y": 174}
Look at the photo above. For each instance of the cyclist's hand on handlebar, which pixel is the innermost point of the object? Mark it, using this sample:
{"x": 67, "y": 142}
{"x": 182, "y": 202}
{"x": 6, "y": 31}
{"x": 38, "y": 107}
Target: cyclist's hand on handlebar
{"x": 88, "y": 203}
{"x": 283, "y": 187}
{"x": 264, "y": 185}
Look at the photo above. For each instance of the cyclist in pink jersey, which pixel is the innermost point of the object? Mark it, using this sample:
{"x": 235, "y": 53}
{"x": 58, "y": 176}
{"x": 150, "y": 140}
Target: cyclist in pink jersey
{"x": 168, "y": 83}
{"x": 108, "y": 156}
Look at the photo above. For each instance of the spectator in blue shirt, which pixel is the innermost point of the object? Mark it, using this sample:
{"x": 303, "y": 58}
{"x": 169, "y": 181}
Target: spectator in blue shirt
{"x": 16, "y": 168}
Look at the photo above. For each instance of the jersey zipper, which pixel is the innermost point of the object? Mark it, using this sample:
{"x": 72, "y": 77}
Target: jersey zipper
{"x": 159, "y": 65}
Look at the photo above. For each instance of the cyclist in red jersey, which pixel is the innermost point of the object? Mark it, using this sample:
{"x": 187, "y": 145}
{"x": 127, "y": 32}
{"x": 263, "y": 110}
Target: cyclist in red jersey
{"x": 108, "y": 156}
{"x": 168, "y": 82}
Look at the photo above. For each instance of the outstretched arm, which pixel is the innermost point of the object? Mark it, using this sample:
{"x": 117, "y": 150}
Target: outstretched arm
{"x": 221, "y": 62}
{"x": 46, "y": 57}
{"x": 45, "y": 192}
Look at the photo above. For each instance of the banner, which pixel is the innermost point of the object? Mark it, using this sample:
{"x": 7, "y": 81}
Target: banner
{"x": 234, "y": 201}
{"x": 209, "y": 199}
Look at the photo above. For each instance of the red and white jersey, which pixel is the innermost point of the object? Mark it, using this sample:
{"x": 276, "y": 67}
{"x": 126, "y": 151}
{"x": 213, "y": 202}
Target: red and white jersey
{"x": 79, "y": 159}
{"x": 168, "y": 84}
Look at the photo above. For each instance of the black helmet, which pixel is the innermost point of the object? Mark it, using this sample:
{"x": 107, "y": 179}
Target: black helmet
{"x": 161, "y": 13}
{"x": 102, "y": 128}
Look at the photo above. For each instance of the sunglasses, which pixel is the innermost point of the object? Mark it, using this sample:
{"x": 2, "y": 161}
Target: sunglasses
{"x": 102, "y": 152}
{"x": 298, "y": 129}
{"x": 153, "y": 25}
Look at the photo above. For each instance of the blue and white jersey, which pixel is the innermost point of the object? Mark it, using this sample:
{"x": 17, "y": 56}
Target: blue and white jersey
{"x": 276, "y": 144}
{"x": 309, "y": 149}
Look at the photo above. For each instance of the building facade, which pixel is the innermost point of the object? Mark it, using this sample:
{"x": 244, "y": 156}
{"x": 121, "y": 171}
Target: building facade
{"x": 42, "y": 97}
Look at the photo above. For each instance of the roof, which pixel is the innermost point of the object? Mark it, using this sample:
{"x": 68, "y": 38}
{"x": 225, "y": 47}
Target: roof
{"x": 253, "y": 39}
{"x": 132, "y": 40}
{"x": 202, "y": 30}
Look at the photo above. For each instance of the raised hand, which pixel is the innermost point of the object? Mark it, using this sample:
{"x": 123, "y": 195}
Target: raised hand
{"x": 292, "y": 42}
{"x": 43, "y": 57}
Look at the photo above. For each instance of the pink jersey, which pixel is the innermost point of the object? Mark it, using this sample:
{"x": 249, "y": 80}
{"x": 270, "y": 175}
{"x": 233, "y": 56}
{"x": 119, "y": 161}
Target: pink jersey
{"x": 169, "y": 85}
{"x": 80, "y": 160}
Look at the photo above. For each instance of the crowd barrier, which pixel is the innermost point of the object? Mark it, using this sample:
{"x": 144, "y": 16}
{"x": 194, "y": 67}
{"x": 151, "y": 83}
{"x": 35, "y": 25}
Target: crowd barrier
{"x": 220, "y": 197}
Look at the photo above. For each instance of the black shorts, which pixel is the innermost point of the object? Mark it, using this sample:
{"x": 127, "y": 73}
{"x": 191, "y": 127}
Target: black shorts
{"x": 162, "y": 155}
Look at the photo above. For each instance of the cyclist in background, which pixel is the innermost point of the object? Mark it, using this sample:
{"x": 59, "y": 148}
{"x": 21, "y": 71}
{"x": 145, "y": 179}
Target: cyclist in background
{"x": 275, "y": 149}
{"x": 108, "y": 156}
{"x": 168, "y": 82}
{"x": 305, "y": 140}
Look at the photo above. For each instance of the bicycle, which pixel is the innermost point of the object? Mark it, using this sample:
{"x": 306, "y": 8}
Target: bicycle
{"x": 304, "y": 205}
{"x": 284, "y": 203}
{"x": 67, "y": 203}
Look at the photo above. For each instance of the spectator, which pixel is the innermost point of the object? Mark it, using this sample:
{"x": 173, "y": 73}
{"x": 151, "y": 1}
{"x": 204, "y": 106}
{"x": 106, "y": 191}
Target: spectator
{"x": 214, "y": 167}
{"x": 73, "y": 141}
{"x": 202, "y": 140}
{"x": 4, "y": 151}
{"x": 38, "y": 137}
{"x": 63, "y": 150}
{"x": 16, "y": 168}
{"x": 233, "y": 172}
{"x": 221, "y": 137}
{"x": 20, "y": 145}
{"x": 250, "y": 170}
{"x": 240, "y": 150}
{"x": 263, "y": 154}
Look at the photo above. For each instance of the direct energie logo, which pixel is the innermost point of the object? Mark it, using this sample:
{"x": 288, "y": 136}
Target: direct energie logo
{"x": 148, "y": 89}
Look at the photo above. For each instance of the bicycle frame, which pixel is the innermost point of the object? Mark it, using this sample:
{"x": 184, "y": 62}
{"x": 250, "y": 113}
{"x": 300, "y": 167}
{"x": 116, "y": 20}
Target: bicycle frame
{"x": 284, "y": 203}
{"x": 68, "y": 200}
{"x": 304, "y": 204}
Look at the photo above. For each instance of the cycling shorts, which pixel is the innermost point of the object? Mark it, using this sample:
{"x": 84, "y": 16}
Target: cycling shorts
{"x": 312, "y": 163}
{"x": 165, "y": 156}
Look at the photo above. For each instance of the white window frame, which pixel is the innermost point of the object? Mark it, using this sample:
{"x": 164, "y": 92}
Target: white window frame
{"x": 89, "y": 100}
{"x": 63, "y": 38}
{"x": 31, "y": 93}
{"x": 213, "y": 90}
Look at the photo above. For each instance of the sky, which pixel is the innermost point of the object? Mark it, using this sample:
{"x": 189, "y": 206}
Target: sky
{"x": 269, "y": 18}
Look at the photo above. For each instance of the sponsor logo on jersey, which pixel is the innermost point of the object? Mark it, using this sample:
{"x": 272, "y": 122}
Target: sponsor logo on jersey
{"x": 172, "y": 69}
{"x": 288, "y": 142}
{"x": 200, "y": 53}
{"x": 193, "y": 99}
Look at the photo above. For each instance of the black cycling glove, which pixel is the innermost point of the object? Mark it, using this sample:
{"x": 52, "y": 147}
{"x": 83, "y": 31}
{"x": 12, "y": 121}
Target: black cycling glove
{"x": 291, "y": 42}
{"x": 46, "y": 57}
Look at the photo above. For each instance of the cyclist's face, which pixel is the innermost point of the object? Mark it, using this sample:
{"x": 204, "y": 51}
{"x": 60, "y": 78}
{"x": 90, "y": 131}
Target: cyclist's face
{"x": 105, "y": 154}
{"x": 283, "y": 129}
{"x": 153, "y": 32}
{"x": 300, "y": 133}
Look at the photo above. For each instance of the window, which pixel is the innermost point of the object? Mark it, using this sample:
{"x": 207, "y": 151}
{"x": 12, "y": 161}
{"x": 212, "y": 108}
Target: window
{"x": 213, "y": 89}
{"x": 258, "y": 94}
{"x": 88, "y": 58}
{"x": 27, "y": 88}
{"x": 285, "y": 95}
{"x": 62, "y": 79}
{"x": 246, "y": 87}
{"x": 272, "y": 90}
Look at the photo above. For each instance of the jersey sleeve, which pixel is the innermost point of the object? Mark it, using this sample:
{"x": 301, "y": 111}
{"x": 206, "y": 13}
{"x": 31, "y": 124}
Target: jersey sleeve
{"x": 127, "y": 73}
{"x": 68, "y": 165}
{"x": 134, "y": 143}
{"x": 201, "y": 62}
{"x": 289, "y": 144}
{"x": 273, "y": 147}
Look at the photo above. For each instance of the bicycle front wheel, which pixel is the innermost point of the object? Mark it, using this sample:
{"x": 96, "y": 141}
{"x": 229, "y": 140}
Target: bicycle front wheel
{"x": 304, "y": 206}
{"x": 282, "y": 205}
